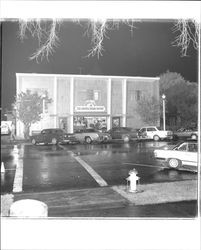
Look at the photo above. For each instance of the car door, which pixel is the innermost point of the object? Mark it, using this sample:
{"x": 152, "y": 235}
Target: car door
{"x": 118, "y": 132}
{"x": 43, "y": 136}
{"x": 151, "y": 132}
{"x": 186, "y": 154}
{"x": 191, "y": 154}
{"x": 113, "y": 133}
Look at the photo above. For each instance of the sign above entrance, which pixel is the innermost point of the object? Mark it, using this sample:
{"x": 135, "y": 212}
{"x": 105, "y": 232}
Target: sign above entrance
{"x": 90, "y": 106}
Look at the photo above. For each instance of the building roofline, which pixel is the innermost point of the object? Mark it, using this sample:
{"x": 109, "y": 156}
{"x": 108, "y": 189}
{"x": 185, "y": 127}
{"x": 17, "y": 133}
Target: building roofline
{"x": 90, "y": 76}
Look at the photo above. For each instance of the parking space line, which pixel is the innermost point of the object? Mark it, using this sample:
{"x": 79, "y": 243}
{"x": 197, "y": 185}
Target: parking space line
{"x": 144, "y": 165}
{"x": 91, "y": 171}
{"x": 18, "y": 180}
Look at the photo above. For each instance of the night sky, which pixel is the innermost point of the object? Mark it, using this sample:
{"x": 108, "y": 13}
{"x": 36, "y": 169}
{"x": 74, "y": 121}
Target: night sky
{"x": 145, "y": 52}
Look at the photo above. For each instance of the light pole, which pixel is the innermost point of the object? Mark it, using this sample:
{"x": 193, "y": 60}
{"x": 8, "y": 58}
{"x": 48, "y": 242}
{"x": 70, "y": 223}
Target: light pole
{"x": 15, "y": 117}
{"x": 163, "y": 98}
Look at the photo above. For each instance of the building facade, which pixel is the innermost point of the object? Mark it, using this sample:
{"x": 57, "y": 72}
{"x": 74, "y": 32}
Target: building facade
{"x": 88, "y": 100}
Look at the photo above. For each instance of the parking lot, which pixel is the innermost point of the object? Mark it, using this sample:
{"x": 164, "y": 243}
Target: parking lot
{"x": 66, "y": 167}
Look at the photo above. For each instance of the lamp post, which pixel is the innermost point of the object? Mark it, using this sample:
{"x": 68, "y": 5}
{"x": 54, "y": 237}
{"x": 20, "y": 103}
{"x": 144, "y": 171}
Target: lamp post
{"x": 15, "y": 117}
{"x": 163, "y": 98}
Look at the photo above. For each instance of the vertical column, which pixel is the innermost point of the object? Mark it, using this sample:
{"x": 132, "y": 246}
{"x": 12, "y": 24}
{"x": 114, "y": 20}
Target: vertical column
{"x": 19, "y": 125}
{"x": 124, "y": 102}
{"x": 71, "y": 104}
{"x": 55, "y": 101}
{"x": 109, "y": 98}
{"x": 17, "y": 91}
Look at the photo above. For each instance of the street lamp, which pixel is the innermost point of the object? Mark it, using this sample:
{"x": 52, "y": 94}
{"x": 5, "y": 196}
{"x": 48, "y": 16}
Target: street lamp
{"x": 163, "y": 98}
{"x": 15, "y": 117}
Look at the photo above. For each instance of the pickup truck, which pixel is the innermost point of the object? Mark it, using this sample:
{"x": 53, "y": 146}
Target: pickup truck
{"x": 153, "y": 133}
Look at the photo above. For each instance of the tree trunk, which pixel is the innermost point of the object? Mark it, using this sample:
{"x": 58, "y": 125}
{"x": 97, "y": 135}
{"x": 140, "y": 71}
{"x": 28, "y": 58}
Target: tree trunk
{"x": 26, "y": 131}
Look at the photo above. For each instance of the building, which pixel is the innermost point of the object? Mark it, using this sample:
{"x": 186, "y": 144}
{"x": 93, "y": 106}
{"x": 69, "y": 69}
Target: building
{"x": 88, "y": 100}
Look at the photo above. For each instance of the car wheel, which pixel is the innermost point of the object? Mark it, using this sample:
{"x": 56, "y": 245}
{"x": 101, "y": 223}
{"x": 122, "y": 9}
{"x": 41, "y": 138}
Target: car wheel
{"x": 88, "y": 140}
{"x": 156, "y": 138}
{"x": 54, "y": 141}
{"x": 193, "y": 137}
{"x": 174, "y": 163}
{"x": 33, "y": 141}
{"x": 105, "y": 139}
{"x": 126, "y": 138}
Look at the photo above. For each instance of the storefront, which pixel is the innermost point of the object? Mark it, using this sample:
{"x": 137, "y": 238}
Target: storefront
{"x": 85, "y": 101}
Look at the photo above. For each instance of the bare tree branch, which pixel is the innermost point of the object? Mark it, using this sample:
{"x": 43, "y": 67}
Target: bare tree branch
{"x": 46, "y": 32}
{"x": 46, "y": 35}
{"x": 188, "y": 34}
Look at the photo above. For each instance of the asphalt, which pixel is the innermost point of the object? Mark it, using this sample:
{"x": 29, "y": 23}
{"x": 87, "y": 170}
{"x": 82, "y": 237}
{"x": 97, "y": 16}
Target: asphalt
{"x": 62, "y": 203}
{"x": 65, "y": 202}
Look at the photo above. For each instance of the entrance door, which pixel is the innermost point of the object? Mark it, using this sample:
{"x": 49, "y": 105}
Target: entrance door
{"x": 115, "y": 122}
{"x": 63, "y": 123}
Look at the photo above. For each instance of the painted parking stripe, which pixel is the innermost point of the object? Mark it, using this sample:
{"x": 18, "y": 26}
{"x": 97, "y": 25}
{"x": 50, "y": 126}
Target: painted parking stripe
{"x": 88, "y": 168}
{"x": 18, "y": 180}
{"x": 93, "y": 173}
{"x": 144, "y": 165}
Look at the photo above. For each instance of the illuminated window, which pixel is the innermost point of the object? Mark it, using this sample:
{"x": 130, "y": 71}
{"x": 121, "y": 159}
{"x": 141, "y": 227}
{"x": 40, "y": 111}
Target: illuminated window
{"x": 96, "y": 95}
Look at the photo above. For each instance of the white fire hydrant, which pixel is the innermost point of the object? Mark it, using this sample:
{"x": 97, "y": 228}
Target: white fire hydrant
{"x": 133, "y": 179}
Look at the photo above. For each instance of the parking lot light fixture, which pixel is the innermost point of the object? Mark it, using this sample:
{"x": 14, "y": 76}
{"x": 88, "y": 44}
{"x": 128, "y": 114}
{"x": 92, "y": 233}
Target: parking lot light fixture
{"x": 163, "y": 98}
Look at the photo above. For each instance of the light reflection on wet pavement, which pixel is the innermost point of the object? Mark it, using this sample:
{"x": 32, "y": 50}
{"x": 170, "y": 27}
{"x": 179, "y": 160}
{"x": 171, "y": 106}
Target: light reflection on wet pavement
{"x": 48, "y": 168}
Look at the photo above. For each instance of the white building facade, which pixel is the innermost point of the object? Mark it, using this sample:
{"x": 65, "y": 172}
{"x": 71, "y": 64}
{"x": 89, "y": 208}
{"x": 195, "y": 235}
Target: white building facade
{"x": 88, "y": 100}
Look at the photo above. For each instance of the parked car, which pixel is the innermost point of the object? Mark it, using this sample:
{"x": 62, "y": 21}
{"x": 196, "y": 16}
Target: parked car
{"x": 185, "y": 153}
{"x": 186, "y": 133}
{"x": 124, "y": 133}
{"x": 90, "y": 135}
{"x": 153, "y": 133}
{"x": 5, "y": 127}
{"x": 53, "y": 136}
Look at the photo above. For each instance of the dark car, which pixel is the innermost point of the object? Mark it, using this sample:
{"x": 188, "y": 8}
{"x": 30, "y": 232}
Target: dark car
{"x": 53, "y": 136}
{"x": 124, "y": 133}
{"x": 186, "y": 133}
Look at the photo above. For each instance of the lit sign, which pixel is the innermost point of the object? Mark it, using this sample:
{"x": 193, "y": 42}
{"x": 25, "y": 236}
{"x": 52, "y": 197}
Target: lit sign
{"x": 90, "y": 106}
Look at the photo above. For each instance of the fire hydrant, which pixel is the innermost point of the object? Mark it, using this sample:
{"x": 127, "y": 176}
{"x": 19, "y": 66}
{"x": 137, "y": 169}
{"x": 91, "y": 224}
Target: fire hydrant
{"x": 133, "y": 179}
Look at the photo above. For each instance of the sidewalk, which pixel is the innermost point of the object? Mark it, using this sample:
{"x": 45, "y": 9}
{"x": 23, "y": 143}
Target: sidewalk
{"x": 60, "y": 203}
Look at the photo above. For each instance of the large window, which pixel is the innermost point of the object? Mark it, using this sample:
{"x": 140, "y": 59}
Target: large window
{"x": 93, "y": 94}
{"x": 83, "y": 122}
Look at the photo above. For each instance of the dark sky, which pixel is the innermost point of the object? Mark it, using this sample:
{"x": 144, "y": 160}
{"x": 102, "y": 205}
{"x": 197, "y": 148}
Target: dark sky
{"x": 148, "y": 52}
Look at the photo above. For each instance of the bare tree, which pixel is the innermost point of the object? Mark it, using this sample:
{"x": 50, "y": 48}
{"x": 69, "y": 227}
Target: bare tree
{"x": 188, "y": 33}
{"x": 45, "y": 32}
{"x": 97, "y": 30}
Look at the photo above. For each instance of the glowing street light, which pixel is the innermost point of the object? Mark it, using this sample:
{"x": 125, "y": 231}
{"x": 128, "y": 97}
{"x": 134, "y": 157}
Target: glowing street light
{"x": 163, "y": 98}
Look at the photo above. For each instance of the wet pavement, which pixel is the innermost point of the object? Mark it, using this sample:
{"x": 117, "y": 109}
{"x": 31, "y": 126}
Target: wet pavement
{"x": 74, "y": 174}
{"x": 47, "y": 168}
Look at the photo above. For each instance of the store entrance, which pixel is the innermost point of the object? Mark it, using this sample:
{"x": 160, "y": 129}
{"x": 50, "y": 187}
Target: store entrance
{"x": 116, "y": 121}
{"x": 63, "y": 123}
{"x": 96, "y": 122}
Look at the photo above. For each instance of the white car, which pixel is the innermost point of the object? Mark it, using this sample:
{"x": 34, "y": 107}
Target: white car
{"x": 185, "y": 153}
{"x": 89, "y": 135}
{"x": 5, "y": 127}
{"x": 153, "y": 133}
